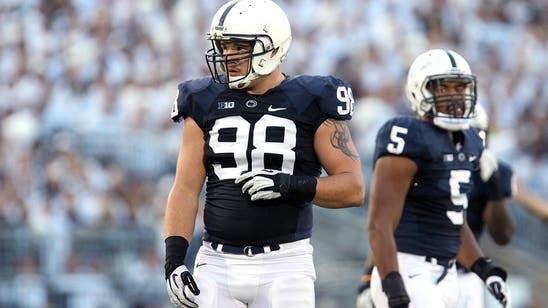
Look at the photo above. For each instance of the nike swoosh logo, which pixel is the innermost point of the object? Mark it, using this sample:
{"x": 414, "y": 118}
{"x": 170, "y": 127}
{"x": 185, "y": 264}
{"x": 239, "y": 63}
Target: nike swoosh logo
{"x": 270, "y": 108}
{"x": 200, "y": 264}
{"x": 472, "y": 158}
{"x": 413, "y": 276}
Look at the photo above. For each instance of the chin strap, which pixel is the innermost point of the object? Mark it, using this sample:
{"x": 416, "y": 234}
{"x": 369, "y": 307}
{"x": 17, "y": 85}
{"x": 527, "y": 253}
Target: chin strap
{"x": 452, "y": 124}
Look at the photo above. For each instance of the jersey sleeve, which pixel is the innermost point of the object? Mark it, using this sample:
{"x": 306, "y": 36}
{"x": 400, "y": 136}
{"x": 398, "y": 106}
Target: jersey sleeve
{"x": 182, "y": 106}
{"x": 186, "y": 103}
{"x": 336, "y": 99}
{"x": 506, "y": 177}
{"x": 400, "y": 137}
{"x": 332, "y": 96}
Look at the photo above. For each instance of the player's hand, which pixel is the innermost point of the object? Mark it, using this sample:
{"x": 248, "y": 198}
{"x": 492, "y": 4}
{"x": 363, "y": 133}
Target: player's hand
{"x": 488, "y": 165}
{"x": 364, "y": 299}
{"x": 498, "y": 288}
{"x": 494, "y": 278}
{"x": 393, "y": 287}
{"x": 182, "y": 288}
{"x": 261, "y": 184}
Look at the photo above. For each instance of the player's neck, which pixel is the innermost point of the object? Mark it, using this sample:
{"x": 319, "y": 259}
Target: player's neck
{"x": 261, "y": 85}
{"x": 458, "y": 139}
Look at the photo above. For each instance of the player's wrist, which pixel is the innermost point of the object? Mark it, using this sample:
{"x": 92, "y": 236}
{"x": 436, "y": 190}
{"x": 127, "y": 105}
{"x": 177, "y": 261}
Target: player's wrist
{"x": 393, "y": 283}
{"x": 301, "y": 187}
{"x": 484, "y": 268}
{"x": 393, "y": 287}
{"x": 176, "y": 248}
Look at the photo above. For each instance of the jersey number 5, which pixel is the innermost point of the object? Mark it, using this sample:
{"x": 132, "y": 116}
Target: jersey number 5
{"x": 457, "y": 198}
{"x": 397, "y": 142}
{"x": 260, "y": 146}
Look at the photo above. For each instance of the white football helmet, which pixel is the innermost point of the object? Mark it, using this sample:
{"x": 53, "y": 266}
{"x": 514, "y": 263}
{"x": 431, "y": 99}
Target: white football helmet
{"x": 426, "y": 73}
{"x": 261, "y": 22}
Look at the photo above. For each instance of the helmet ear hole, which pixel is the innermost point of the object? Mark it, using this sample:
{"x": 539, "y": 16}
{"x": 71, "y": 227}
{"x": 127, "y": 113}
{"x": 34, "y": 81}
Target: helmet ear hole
{"x": 274, "y": 52}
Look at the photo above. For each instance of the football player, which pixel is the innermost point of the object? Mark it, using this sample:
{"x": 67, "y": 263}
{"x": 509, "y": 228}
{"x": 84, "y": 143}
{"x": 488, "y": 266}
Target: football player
{"x": 492, "y": 185}
{"x": 419, "y": 192}
{"x": 261, "y": 138}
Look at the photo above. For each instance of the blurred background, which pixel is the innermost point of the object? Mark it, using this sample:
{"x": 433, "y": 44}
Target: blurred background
{"x": 88, "y": 150}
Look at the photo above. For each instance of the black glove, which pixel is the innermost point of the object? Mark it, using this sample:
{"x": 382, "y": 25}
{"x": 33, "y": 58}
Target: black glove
{"x": 271, "y": 184}
{"x": 178, "y": 279}
{"x": 393, "y": 286}
{"x": 494, "y": 278}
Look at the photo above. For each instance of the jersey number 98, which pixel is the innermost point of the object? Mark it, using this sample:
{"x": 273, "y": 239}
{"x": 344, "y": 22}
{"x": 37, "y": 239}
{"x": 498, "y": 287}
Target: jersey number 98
{"x": 259, "y": 147}
{"x": 344, "y": 95}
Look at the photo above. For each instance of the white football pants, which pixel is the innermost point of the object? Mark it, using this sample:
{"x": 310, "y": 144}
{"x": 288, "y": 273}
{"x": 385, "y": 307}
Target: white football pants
{"x": 275, "y": 279}
{"x": 471, "y": 291}
{"x": 419, "y": 278}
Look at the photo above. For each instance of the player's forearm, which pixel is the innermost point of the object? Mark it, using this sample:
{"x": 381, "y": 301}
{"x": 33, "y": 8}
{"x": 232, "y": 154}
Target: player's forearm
{"x": 388, "y": 255}
{"x": 340, "y": 190}
{"x": 469, "y": 250}
{"x": 180, "y": 215}
{"x": 499, "y": 222}
{"x": 383, "y": 247}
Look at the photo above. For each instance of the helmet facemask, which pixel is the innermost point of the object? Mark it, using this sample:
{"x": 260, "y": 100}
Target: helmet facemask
{"x": 451, "y": 111}
{"x": 218, "y": 62}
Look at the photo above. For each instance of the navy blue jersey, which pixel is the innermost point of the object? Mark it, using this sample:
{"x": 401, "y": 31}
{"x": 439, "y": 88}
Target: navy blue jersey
{"x": 249, "y": 132}
{"x": 433, "y": 212}
{"x": 478, "y": 197}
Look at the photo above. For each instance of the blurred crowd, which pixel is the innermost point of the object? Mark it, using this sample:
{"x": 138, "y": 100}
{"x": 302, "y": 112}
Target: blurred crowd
{"x": 87, "y": 145}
